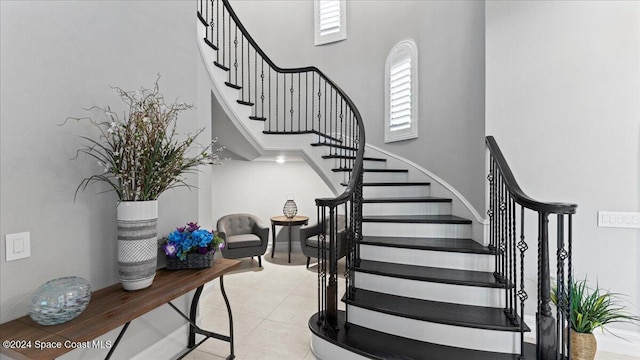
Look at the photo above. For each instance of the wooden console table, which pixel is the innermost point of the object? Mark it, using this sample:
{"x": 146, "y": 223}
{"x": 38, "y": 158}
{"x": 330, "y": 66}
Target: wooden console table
{"x": 113, "y": 307}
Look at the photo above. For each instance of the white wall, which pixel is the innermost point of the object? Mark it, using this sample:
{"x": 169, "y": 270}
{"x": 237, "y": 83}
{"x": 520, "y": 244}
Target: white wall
{"x": 58, "y": 57}
{"x": 261, "y": 188}
{"x": 563, "y": 101}
{"x": 450, "y": 39}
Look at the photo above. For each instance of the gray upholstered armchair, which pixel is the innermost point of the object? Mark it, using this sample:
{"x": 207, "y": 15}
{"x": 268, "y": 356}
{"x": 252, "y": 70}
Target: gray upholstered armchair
{"x": 309, "y": 239}
{"x": 244, "y": 235}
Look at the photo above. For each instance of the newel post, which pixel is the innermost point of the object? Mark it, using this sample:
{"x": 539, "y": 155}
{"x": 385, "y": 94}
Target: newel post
{"x": 332, "y": 287}
{"x": 545, "y": 323}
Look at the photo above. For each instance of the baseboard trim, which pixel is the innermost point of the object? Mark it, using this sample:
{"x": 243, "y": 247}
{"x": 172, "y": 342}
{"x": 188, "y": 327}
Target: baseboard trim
{"x": 628, "y": 344}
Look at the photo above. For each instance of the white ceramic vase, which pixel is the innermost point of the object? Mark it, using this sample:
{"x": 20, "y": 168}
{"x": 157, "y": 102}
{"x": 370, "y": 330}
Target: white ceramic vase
{"x": 137, "y": 243}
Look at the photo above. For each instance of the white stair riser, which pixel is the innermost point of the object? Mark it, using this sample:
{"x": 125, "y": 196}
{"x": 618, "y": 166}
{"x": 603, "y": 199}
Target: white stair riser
{"x": 324, "y": 350}
{"x": 450, "y": 335}
{"x": 432, "y": 208}
{"x": 416, "y": 230}
{"x": 443, "y": 259}
{"x": 385, "y": 176}
{"x": 450, "y": 293}
{"x": 395, "y": 191}
{"x": 342, "y": 163}
{"x": 368, "y": 164}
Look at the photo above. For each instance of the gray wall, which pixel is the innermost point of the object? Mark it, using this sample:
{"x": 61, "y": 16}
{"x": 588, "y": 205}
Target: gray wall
{"x": 58, "y": 57}
{"x": 563, "y": 101}
{"x": 450, "y": 39}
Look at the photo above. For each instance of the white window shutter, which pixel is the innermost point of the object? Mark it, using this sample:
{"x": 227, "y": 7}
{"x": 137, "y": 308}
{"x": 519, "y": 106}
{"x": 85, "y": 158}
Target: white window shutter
{"x": 401, "y": 92}
{"x": 400, "y": 95}
{"x": 329, "y": 17}
{"x": 329, "y": 21}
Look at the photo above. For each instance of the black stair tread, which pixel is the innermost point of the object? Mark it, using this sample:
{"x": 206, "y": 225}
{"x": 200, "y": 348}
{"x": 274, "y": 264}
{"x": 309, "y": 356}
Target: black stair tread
{"x": 259, "y": 118}
{"x": 393, "y": 183}
{"x": 479, "y": 317}
{"x": 234, "y": 86}
{"x": 415, "y": 199}
{"x": 334, "y": 145}
{"x": 433, "y": 244}
{"x": 211, "y": 45}
{"x": 430, "y": 274}
{"x": 242, "y": 102}
{"x": 220, "y": 66}
{"x": 429, "y": 219}
{"x": 376, "y": 170}
{"x": 382, "y": 346}
{"x": 298, "y": 132}
{"x": 202, "y": 20}
{"x": 335, "y": 156}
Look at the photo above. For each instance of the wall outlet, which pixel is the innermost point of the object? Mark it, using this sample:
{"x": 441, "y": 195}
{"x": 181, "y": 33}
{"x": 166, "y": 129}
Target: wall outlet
{"x": 18, "y": 246}
{"x": 619, "y": 219}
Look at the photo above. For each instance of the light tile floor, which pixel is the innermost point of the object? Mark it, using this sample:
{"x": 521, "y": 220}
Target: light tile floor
{"x": 271, "y": 307}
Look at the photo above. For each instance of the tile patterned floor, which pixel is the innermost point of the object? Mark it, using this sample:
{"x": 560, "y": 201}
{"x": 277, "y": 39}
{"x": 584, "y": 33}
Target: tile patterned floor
{"x": 271, "y": 307}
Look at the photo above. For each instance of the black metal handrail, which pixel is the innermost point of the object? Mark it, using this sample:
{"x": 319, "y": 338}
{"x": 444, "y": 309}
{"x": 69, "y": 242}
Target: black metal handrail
{"x": 519, "y": 195}
{"x": 505, "y": 196}
{"x": 297, "y": 101}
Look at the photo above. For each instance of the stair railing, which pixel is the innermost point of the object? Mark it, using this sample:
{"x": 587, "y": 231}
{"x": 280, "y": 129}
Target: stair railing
{"x": 507, "y": 207}
{"x": 298, "y": 101}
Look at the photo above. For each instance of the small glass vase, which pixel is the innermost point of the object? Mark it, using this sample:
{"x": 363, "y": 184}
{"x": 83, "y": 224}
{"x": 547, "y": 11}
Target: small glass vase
{"x": 60, "y": 300}
{"x": 290, "y": 208}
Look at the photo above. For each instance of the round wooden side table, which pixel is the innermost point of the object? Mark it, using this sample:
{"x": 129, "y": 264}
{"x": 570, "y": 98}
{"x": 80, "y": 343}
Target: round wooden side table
{"x": 289, "y": 222}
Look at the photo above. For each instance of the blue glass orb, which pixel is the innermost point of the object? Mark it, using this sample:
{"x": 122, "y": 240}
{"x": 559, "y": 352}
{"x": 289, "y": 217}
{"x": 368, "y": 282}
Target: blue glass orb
{"x": 60, "y": 300}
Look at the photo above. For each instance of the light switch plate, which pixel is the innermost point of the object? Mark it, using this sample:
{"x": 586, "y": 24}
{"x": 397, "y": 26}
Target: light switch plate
{"x": 619, "y": 219}
{"x": 18, "y": 246}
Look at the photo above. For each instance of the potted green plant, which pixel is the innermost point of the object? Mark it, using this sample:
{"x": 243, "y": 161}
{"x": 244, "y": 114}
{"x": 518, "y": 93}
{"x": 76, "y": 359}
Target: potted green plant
{"x": 141, "y": 155}
{"x": 590, "y": 309}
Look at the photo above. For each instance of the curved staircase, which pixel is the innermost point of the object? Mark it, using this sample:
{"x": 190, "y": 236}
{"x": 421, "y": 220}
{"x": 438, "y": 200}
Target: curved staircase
{"x": 418, "y": 282}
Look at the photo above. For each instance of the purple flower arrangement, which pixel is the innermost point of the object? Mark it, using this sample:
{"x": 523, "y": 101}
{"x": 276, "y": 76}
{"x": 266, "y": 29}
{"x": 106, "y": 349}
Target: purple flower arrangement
{"x": 191, "y": 239}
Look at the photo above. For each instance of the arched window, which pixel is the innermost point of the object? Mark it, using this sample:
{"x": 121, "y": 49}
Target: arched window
{"x": 330, "y": 21}
{"x": 401, "y": 92}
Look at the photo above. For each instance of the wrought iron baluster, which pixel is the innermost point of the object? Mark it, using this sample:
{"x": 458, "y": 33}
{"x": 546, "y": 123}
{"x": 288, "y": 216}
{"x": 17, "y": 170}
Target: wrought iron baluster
{"x": 218, "y": 31}
{"x": 299, "y": 101}
{"x": 235, "y": 56}
{"x": 284, "y": 102}
{"x": 291, "y": 90}
{"x": 325, "y": 108}
{"x": 270, "y": 100}
{"x": 522, "y": 294}
{"x": 514, "y": 274}
{"x": 262, "y": 89}
{"x": 248, "y": 71}
{"x": 277, "y": 102}
{"x": 319, "y": 99}
{"x": 569, "y": 308}
{"x": 508, "y": 279}
{"x": 306, "y": 100}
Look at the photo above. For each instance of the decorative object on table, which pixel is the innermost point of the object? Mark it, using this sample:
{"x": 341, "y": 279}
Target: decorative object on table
{"x": 290, "y": 208}
{"x": 590, "y": 309}
{"x": 141, "y": 156}
{"x": 190, "y": 247}
{"x": 60, "y": 300}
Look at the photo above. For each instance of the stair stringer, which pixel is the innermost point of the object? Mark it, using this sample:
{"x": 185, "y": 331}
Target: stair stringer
{"x": 252, "y": 130}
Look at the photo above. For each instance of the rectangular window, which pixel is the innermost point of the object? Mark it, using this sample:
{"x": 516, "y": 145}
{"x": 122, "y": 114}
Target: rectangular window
{"x": 329, "y": 21}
